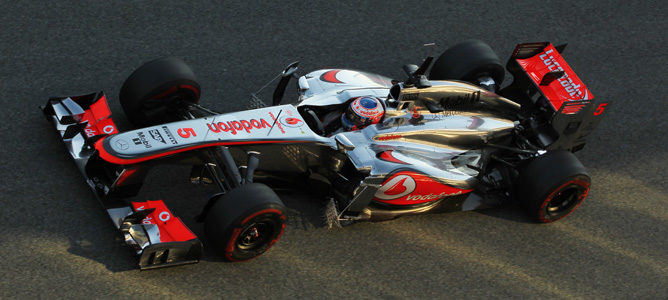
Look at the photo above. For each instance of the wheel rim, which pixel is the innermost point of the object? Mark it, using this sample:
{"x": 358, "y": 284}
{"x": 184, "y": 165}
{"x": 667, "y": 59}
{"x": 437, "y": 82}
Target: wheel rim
{"x": 255, "y": 235}
{"x": 564, "y": 200}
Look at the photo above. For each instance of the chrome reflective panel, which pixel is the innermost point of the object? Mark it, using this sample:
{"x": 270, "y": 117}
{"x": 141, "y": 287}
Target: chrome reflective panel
{"x": 455, "y": 97}
{"x": 440, "y": 144}
{"x": 432, "y": 145}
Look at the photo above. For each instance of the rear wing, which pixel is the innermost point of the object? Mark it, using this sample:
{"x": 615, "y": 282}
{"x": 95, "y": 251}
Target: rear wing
{"x": 549, "y": 86}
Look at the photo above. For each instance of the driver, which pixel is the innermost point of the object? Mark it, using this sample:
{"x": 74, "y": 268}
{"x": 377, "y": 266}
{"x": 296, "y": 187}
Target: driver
{"x": 362, "y": 112}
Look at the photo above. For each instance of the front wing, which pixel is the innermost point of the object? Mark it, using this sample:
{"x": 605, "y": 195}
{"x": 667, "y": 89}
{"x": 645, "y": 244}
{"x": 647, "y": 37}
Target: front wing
{"x": 158, "y": 237}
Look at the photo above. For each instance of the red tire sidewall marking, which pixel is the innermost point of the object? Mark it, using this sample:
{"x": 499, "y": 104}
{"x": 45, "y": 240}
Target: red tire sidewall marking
{"x": 581, "y": 198}
{"x": 176, "y": 88}
{"x": 165, "y": 93}
{"x": 235, "y": 234}
{"x": 192, "y": 88}
{"x": 230, "y": 244}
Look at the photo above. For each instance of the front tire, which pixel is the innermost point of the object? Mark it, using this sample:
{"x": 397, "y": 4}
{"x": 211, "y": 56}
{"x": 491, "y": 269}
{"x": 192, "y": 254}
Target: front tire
{"x": 552, "y": 186}
{"x": 156, "y": 90}
{"x": 245, "y": 222}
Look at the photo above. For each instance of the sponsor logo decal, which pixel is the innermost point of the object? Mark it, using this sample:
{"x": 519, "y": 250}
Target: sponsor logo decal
{"x": 155, "y": 135}
{"x": 397, "y": 187}
{"x": 291, "y": 121}
{"x": 235, "y": 127}
{"x": 280, "y": 127}
{"x": 169, "y": 135}
{"x": 431, "y": 196}
{"x": 571, "y": 87}
{"x": 408, "y": 188}
{"x": 141, "y": 139}
{"x": 170, "y": 227}
{"x": 90, "y": 132}
{"x": 164, "y": 216}
{"x": 460, "y": 102}
{"x": 108, "y": 129}
{"x": 122, "y": 144}
{"x": 92, "y": 129}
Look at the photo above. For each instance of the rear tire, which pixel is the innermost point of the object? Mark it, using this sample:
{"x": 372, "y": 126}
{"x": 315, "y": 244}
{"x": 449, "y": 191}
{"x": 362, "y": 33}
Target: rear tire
{"x": 155, "y": 90}
{"x": 468, "y": 61}
{"x": 245, "y": 222}
{"x": 552, "y": 186}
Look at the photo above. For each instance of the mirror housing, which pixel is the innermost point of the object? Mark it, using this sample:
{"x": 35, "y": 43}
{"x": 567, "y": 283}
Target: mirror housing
{"x": 287, "y": 73}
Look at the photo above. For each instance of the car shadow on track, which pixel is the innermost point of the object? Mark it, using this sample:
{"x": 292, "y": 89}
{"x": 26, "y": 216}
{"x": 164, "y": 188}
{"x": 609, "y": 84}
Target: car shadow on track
{"x": 110, "y": 257}
{"x": 305, "y": 212}
{"x": 511, "y": 212}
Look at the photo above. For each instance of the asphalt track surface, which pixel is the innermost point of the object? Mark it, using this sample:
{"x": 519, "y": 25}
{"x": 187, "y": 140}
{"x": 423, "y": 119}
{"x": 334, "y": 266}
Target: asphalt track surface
{"x": 57, "y": 242}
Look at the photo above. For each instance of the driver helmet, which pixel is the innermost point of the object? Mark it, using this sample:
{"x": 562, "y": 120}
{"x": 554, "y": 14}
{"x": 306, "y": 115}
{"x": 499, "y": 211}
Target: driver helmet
{"x": 362, "y": 112}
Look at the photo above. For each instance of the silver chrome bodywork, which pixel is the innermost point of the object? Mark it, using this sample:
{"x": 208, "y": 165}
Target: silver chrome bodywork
{"x": 258, "y": 126}
{"x": 428, "y": 145}
{"x": 445, "y": 145}
{"x": 441, "y": 146}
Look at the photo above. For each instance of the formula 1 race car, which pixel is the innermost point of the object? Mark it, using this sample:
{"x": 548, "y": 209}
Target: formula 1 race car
{"x": 375, "y": 148}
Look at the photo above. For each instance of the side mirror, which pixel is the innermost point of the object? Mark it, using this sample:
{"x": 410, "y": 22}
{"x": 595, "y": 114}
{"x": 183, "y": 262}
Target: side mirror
{"x": 416, "y": 75}
{"x": 290, "y": 69}
{"x": 287, "y": 73}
